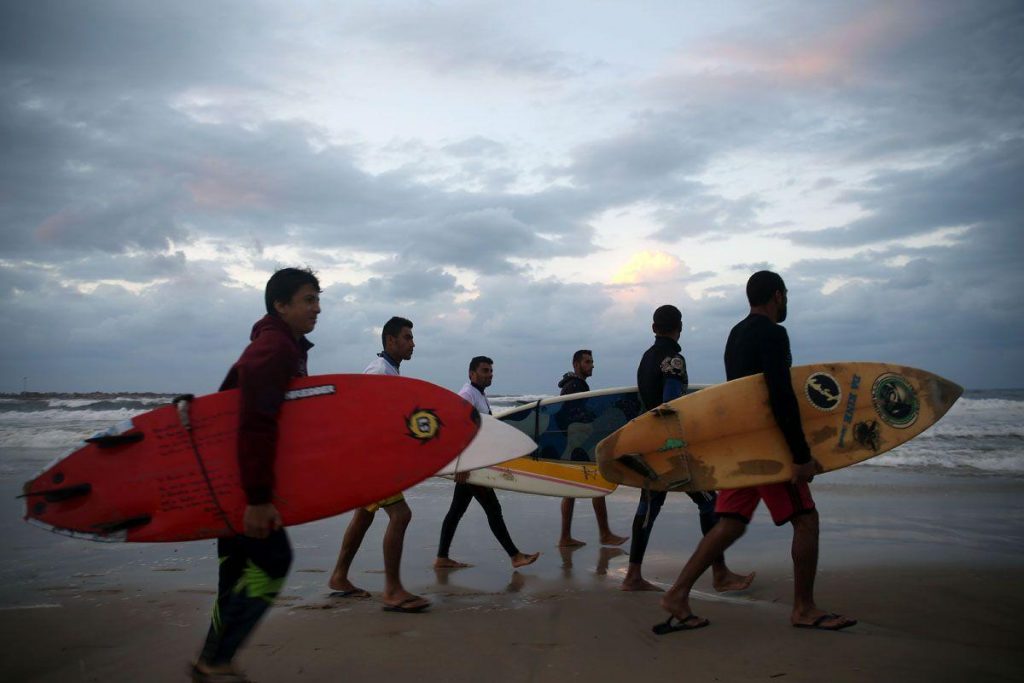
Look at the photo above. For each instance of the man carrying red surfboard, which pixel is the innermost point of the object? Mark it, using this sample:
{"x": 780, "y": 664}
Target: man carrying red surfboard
{"x": 758, "y": 344}
{"x": 254, "y": 563}
{"x": 398, "y": 344}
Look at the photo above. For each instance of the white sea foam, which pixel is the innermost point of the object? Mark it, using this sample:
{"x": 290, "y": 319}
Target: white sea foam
{"x": 1007, "y": 461}
{"x": 40, "y": 417}
{"x": 43, "y": 438}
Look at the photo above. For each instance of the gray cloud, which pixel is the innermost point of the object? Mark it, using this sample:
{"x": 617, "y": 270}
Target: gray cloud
{"x": 980, "y": 187}
{"x": 473, "y": 38}
{"x": 105, "y": 177}
{"x": 182, "y": 179}
{"x": 477, "y": 146}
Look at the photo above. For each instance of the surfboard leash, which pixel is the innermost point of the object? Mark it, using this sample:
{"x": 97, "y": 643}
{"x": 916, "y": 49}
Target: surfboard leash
{"x": 183, "y": 403}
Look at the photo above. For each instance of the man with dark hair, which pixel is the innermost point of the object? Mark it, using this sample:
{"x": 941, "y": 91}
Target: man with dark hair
{"x": 398, "y": 344}
{"x": 481, "y": 374}
{"x": 661, "y": 377}
{"x": 575, "y": 382}
{"x": 254, "y": 563}
{"x": 758, "y": 344}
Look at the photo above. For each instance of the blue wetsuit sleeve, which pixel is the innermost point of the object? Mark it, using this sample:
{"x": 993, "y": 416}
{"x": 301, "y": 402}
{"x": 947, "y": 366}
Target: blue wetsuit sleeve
{"x": 674, "y": 378}
{"x": 673, "y": 389}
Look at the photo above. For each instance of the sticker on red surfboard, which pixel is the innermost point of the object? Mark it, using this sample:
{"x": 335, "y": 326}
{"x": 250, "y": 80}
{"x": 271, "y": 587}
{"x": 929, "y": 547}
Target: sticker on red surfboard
{"x": 344, "y": 441}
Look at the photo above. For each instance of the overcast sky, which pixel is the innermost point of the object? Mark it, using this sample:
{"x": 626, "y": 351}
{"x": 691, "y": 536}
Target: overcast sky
{"x": 519, "y": 179}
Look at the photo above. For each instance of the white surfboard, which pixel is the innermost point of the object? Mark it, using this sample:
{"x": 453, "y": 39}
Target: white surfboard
{"x": 495, "y": 443}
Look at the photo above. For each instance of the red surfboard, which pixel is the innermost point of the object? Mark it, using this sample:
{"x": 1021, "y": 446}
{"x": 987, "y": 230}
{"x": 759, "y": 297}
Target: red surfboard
{"x": 344, "y": 441}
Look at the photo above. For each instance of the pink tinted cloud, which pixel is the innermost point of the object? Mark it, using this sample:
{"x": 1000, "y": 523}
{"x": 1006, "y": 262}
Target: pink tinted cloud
{"x": 835, "y": 54}
{"x": 223, "y": 186}
{"x": 53, "y": 229}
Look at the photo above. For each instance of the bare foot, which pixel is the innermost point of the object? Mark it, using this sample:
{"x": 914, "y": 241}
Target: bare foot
{"x": 639, "y": 585}
{"x": 446, "y": 563}
{"x": 345, "y": 586}
{"x": 521, "y": 560}
{"x": 570, "y": 543}
{"x": 202, "y": 671}
{"x": 357, "y": 593}
{"x": 613, "y": 539}
{"x": 733, "y": 582}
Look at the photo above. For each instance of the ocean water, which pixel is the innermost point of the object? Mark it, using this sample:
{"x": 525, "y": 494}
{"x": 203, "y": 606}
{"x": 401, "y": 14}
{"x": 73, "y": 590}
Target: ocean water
{"x": 982, "y": 434}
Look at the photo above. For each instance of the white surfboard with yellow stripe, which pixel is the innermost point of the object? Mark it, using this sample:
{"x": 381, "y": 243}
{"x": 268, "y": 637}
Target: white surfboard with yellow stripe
{"x": 544, "y": 478}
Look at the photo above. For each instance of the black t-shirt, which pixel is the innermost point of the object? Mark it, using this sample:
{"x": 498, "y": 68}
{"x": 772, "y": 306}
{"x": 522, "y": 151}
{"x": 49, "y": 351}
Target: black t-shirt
{"x": 758, "y": 345}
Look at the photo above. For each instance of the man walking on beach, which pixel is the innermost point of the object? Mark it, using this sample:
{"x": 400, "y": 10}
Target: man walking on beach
{"x": 661, "y": 377}
{"x": 254, "y": 563}
{"x": 758, "y": 344}
{"x": 398, "y": 345}
{"x": 481, "y": 374}
{"x": 573, "y": 383}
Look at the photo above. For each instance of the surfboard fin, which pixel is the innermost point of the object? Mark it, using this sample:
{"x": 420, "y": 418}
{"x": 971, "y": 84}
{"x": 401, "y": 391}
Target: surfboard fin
{"x": 636, "y": 462}
{"x": 122, "y": 525}
{"x": 112, "y": 440}
{"x": 60, "y": 494}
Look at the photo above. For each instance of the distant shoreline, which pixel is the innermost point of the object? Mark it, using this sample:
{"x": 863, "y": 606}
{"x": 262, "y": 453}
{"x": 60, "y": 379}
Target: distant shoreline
{"x": 87, "y": 395}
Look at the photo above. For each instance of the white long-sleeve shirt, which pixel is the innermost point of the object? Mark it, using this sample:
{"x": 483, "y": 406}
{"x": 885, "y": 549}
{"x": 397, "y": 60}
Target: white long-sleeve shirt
{"x": 476, "y": 397}
{"x": 380, "y": 366}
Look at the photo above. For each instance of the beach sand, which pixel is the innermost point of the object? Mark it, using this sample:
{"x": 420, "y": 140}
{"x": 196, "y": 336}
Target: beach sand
{"x": 930, "y": 564}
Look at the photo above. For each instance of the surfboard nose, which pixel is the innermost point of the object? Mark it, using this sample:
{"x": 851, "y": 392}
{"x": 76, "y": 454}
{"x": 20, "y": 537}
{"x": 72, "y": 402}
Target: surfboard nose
{"x": 944, "y": 394}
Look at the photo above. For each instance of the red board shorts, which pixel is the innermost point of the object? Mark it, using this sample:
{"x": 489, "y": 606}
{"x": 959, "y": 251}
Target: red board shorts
{"x": 784, "y": 500}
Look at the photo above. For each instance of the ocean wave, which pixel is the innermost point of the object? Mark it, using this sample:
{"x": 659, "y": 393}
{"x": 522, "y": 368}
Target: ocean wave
{"x": 45, "y": 438}
{"x": 82, "y": 405}
{"x": 44, "y": 417}
{"x": 101, "y": 404}
{"x": 966, "y": 432}
{"x": 992, "y": 461}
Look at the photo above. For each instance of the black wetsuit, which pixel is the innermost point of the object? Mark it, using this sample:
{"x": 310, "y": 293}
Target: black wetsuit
{"x": 488, "y": 500}
{"x": 661, "y": 377}
{"x": 756, "y": 345}
{"x": 571, "y": 383}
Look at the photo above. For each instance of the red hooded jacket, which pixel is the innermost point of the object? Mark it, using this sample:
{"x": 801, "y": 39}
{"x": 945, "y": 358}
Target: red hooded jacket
{"x": 274, "y": 356}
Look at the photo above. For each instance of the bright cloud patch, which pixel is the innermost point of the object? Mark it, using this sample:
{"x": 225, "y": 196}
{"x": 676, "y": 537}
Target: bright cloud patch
{"x": 647, "y": 266}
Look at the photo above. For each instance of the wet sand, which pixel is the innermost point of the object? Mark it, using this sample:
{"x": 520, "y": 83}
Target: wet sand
{"x": 930, "y": 564}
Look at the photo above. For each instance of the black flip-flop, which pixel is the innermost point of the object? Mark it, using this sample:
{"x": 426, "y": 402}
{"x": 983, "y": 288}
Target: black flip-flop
{"x": 351, "y": 593}
{"x": 818, "y": 623}
{"x": 685, "y": 624}
{"x": 401, "y": 607}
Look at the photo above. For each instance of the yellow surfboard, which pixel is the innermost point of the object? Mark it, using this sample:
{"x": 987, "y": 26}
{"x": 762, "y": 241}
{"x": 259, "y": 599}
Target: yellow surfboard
{"x": 725, "y": 436}
{"x": 544, "y": 478}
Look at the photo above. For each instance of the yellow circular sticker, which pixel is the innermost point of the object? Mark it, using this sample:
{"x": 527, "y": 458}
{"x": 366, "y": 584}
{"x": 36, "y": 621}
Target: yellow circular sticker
{"x": 423, "y": 424}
